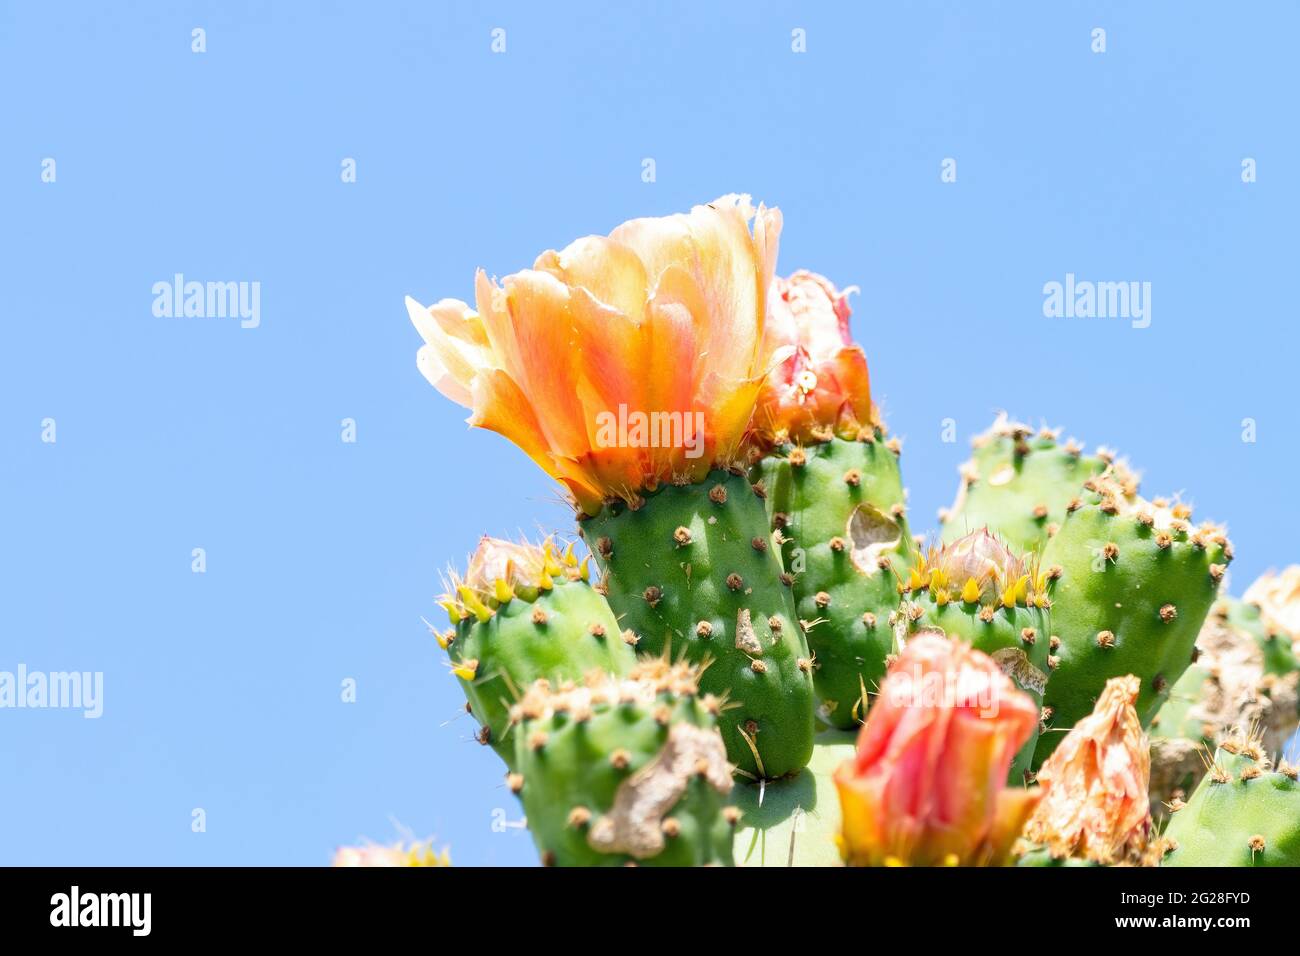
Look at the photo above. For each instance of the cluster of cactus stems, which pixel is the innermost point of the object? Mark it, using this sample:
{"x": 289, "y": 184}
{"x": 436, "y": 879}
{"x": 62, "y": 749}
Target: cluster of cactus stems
{"x": 1047, "y": 683}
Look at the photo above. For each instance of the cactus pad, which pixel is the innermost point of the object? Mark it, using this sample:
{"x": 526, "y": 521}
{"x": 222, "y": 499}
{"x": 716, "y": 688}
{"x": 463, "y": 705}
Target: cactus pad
{"x": 1132, "y": 583}
{"x": 1243, "y": 813}
{"x": 839, "y": 509}
{"x": 624, "y": 770}
{"x": 523, "y": 613}
{"x": 691, "y": 571}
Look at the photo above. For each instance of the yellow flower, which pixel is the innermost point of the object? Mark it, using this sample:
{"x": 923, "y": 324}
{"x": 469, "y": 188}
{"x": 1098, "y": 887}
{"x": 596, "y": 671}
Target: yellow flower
{"x": 1095, "y": 803}
{"x": 618, "y": 362}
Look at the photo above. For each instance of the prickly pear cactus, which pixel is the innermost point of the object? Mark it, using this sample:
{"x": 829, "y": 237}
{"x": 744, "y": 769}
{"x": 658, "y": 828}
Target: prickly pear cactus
{"x": 978, "y": 590}
{"x": 630, "y": 770}
{"x": 522, "y": 613}
{"x": 1018, "y": 483}
{"x": 1132, "y": 583}
{"x": 1243, "y": 813}
{"x": 1229, "y": 686}
{"x": 691, "y": 570}
{"x": 838, "y": 508}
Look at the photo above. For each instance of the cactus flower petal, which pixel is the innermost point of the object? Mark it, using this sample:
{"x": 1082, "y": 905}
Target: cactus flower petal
{"x": 820, "y": 377}
{"x": 926, "y": 787}
{"x": 1095, "y": 804}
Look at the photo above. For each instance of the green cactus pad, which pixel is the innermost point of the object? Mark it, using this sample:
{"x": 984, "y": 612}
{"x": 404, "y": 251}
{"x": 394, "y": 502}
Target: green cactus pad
{"x": 692, "y": 572}
{"x": 839, "y": 507}
{"x": 522, "y": 613}
{"x": 1017, "y": 483}
{"x": 619, "y": 771}
{"x": 1243, "y": 813}
{"x": 795, "y": 821}
{"x": 1132, "y": 584}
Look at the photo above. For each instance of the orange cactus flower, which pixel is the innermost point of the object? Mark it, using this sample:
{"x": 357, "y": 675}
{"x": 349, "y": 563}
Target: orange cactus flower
{"x": 1095, "y": 804}
{"x": 619, "y": 362}
{"x": 927, "y": 786}
{"x": 823, "y": 384}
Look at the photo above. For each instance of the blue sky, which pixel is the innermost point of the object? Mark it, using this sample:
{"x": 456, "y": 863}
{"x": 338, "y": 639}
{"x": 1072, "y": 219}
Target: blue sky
{"x": 222, "y": 689}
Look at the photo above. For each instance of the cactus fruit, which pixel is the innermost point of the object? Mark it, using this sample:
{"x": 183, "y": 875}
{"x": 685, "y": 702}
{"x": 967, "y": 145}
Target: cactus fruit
{"x": 1243, "y": 813}
{"x": 977, "y": 590}
{"x": 834, "y": 492}
{"x": 691, "y": 572}
{"x": 839, "y": 511}
{"x": 522, "y": 613}
{"x": 926, "y": 786}
{"x": 620, "y": 770}
{"x": 1094, "y": 803}
{"x": 1018, "y": 483}
{"x": 1229, "y": 686}
{"x": 1132, "y": 582}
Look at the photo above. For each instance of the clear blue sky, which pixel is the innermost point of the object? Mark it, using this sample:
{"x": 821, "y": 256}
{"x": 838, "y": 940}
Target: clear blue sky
{"x": 222, "y": 689}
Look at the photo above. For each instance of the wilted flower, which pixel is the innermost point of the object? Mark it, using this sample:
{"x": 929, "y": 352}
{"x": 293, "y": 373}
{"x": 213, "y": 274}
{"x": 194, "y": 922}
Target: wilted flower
{"x": 1095, "y": 804}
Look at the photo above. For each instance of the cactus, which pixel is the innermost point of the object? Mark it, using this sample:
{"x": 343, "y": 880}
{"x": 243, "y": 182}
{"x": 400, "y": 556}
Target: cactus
{"x": 692, "y": 572}
{"x": 1018, "y": 483}
{"x": 1094, "y": 805}
{"x": 976, "y": 589}
{"x": 1243, "y": 813}
{"x": 625, "y": 770}
{"x": 1229, "y": 686}
{"x": 834, "y": 492}
{"x": 839, "y": 511}
{"x": 713, "y": 428}
{"x": 522, "y": 613}
{"x": 1132, "y": 582}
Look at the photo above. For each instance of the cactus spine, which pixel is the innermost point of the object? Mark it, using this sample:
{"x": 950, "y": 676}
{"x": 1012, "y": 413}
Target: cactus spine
{"x": 631, "y": 770}
{"x": 691, "y": 571}
{"x": 838, "y": 508}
